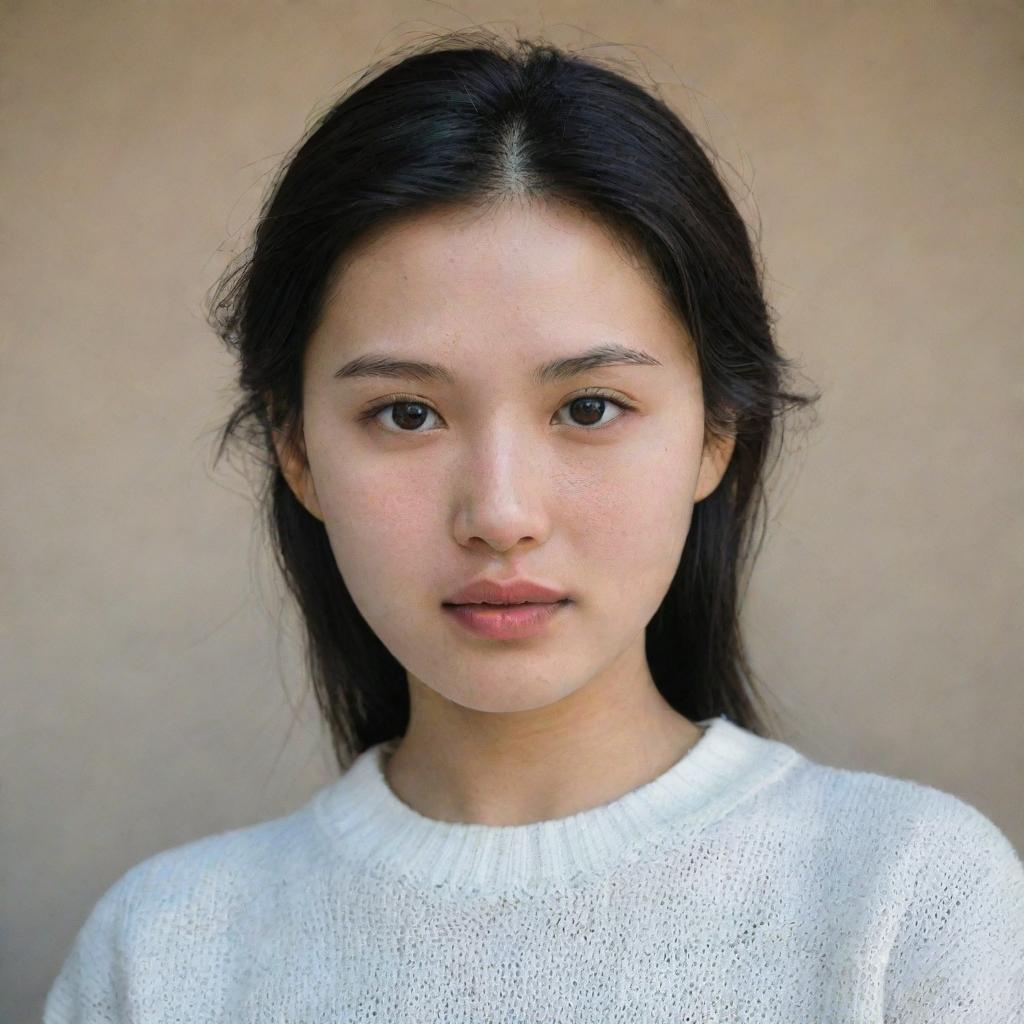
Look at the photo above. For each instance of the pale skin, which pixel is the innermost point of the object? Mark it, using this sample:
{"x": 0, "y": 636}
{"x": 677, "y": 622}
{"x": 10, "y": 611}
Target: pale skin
{"x": 501, "y": 476}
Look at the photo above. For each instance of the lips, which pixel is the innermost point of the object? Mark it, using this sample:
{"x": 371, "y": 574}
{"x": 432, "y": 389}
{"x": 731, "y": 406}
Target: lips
{"x": 507, "y": 622}
{"x": 510, "y": 592}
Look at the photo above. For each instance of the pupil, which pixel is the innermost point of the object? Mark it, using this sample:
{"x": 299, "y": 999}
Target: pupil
{"x": 596, "y": 405}
{"x": 417, "y": 418}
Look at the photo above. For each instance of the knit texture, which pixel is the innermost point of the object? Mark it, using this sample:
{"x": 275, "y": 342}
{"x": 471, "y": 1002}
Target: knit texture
{"x": 747, "y": 883}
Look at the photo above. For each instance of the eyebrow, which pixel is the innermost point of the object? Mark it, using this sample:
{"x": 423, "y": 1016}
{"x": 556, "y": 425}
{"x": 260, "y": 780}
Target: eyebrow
{"x": 375, "y": 364}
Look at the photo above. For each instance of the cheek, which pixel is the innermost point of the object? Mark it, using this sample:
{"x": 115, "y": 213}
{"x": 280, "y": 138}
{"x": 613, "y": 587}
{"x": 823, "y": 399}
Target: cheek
{"x": 378, "y": 521}
{"x": 630, "y": 527}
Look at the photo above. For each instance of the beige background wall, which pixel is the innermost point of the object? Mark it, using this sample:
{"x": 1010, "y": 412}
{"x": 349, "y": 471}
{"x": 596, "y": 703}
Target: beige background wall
{"x": 152, "y": 691}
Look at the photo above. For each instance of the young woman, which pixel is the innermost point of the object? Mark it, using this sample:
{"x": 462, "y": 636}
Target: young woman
{"x": 504, "y": 348}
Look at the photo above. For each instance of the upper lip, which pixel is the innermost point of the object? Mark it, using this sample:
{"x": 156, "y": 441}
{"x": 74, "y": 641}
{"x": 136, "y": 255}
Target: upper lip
{"x": 508, "y": 592}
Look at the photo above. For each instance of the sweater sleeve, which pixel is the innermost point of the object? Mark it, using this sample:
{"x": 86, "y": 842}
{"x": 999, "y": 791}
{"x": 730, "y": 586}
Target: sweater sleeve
{"x": 959, "y": 950}
{"x": 87, "y": 989}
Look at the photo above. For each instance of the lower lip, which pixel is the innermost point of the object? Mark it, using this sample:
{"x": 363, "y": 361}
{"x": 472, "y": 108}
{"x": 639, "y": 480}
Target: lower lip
{"x": 516, "y": 622}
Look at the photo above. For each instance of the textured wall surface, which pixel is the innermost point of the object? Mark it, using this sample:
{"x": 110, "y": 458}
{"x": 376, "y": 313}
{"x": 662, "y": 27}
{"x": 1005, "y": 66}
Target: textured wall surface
{"x": 152, "y": 679}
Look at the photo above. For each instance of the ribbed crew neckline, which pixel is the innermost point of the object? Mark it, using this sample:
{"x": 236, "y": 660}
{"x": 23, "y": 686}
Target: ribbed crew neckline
{"x": 369, "y": 825}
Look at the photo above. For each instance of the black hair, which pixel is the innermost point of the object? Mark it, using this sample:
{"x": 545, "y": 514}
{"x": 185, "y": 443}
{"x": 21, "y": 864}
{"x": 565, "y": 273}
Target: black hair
{"x": 468, "y": 120}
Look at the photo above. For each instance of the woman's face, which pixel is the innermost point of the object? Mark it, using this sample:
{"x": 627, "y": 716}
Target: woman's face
{"x": 497, "y": 473}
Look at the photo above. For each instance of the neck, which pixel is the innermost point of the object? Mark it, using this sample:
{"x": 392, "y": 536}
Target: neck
{"x": 511, "y": 769}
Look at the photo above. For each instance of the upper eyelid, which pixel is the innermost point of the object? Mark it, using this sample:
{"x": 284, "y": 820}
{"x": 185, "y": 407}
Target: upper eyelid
{"x": 592, "y": 392}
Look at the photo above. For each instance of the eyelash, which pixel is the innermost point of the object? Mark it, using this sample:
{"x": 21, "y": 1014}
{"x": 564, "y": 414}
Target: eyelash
{"x": 391, "y": 400}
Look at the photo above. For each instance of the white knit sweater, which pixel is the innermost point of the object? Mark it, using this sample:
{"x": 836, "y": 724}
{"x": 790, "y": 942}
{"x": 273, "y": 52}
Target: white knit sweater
{"x": 747, "y": 883}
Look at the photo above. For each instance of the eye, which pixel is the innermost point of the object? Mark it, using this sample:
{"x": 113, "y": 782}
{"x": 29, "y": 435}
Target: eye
{"x": 410, "y": 412}
{"x": 592, "y": 404}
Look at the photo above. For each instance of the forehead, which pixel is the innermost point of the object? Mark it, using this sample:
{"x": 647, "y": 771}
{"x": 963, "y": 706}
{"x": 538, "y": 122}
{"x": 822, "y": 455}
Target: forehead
{"x": 534, "y": 271}
{"x": 494, "y": 239}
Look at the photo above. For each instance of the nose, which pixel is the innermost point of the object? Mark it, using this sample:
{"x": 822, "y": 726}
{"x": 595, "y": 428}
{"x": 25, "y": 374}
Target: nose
{"x": 501, "y": 495}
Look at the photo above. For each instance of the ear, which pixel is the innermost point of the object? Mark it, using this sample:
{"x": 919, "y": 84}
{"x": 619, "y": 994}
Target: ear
{"x": 713, "y": 464}
{"x": 291, "y": 457}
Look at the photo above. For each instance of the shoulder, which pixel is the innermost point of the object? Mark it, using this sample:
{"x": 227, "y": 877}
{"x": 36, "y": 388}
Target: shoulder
{"x": 934, "y": 864}
{"x": 218, "y": 868}
{"x": 202, "y": 884}
{"x": 904, "y": 834}
{"x": 833, "y": 797}
{"x": 943, "y": 883}
{"x": 169, "y": 920}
